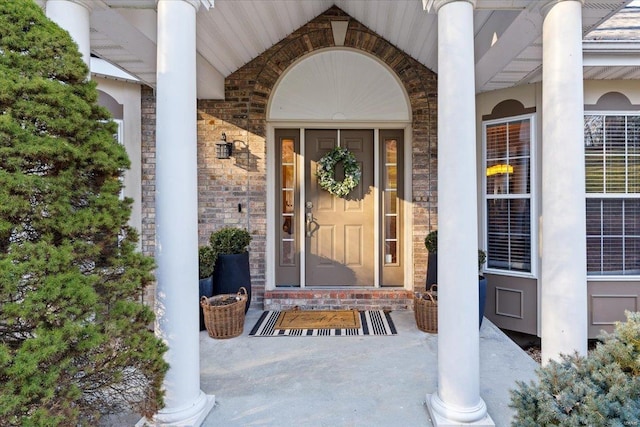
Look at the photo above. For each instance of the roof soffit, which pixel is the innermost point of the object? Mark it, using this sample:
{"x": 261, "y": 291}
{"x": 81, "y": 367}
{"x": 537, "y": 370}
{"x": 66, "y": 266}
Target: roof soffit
{"x": 233, "y": 32}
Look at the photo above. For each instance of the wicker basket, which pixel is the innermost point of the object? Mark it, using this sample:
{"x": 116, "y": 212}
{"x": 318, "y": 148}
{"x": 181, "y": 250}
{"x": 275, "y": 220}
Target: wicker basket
{"x": 224, "y": 321}
{"x": 425, "y": 310}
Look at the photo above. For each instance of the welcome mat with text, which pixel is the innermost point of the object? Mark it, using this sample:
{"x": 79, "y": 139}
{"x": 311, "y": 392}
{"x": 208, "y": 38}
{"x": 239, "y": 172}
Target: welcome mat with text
{"x": 372, "y": 322}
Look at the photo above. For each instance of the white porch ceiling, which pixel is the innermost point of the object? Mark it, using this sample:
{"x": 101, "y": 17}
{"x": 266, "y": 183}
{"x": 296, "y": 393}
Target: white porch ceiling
{"x": 508, "y": 43}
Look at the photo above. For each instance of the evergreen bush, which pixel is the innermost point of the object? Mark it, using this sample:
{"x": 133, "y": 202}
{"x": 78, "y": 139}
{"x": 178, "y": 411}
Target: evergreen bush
{"x": 230, "y": 240}
{"x": 206, "y": 261}
{"x": 601, "y": 389}
{"x": 482, "y": 258}
{"x": 431, "y": 242}
{"x": 75, "y": 341}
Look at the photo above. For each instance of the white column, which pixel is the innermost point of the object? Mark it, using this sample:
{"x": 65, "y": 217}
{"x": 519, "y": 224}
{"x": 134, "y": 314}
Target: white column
{"x": 177, "y": 213}
{"x": 563, "y": 251}
{"x": 457, "y": 401}
{"x": 74, "y": 16}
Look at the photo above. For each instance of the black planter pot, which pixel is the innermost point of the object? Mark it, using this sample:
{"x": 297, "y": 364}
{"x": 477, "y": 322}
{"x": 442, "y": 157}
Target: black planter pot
{"x": 482, "y": 288}
{"x": 206, "y": 290}
{"x": 432, "y": 269}
{"x": 232, "y": 272}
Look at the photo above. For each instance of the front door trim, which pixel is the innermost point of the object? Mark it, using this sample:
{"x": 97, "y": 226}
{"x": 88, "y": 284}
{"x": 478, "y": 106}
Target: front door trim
{"x": 270, "y": 253}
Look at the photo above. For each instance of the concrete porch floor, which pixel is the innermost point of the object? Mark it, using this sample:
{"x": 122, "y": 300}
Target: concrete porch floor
{"x": 345, "y": 381}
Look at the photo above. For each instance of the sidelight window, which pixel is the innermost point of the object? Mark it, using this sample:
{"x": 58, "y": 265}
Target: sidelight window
{"x": 287, "y": 194}
{"x": 391, "y": 197}
{"x": 391, "y": 203}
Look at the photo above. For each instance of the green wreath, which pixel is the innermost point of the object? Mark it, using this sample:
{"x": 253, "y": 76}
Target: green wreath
{"x": 326, "y": 172}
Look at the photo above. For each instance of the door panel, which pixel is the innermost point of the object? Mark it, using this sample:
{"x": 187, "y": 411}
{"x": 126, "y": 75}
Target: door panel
{"x": 354, "y": 245}
{"x": 340, "y": 237}
{"x": 324, "y": 245}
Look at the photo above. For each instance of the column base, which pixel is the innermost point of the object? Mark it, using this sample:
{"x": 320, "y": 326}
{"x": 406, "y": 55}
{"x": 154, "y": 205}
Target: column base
{"x": 438, "y": 412}
{"x": 191, "y": 416}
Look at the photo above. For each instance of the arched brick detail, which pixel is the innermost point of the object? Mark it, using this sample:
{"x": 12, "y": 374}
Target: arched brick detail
{"x": 419, "y": 82}
{"x": 233, "y": 192}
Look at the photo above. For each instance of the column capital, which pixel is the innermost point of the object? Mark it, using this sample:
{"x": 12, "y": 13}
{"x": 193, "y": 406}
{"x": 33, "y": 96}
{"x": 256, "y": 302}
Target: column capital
{"x": 544, "y": 9}
{"x": 435, "y": 5}
{"x": 207, "y": 4}
{"x": 90, "y": 5}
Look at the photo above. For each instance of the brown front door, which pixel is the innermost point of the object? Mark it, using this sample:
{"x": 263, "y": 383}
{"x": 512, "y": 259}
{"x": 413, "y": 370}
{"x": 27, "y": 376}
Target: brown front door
{"x": 339, "y": 238}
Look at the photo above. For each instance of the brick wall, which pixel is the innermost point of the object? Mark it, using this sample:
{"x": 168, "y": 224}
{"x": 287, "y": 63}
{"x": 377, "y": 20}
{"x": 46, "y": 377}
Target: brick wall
{"x": 148, "y": 149}
{"x": 226, "y": 185}
{"x": 357, "y": 299}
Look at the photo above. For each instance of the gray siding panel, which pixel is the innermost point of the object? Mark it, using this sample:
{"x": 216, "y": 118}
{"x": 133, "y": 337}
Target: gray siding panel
{"x": 512, "y": 303}
{"x": 608, "y": 302}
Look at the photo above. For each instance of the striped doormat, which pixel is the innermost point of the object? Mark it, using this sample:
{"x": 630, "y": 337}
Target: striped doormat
{"x": 372, "y": 322}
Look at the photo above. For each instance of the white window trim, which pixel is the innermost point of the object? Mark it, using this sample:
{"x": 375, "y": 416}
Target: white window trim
{"x": 533, "y": 196}
{"x": 617, "y": 277}
{"x": 120, "y": 132}
{"x": 119, "y": 135}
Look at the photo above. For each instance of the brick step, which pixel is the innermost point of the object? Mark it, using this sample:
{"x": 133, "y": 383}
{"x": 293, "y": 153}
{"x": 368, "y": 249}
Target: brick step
{"x": 343, "y": 299}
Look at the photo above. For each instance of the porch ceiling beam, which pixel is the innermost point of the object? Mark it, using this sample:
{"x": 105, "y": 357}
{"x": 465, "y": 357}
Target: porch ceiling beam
{"x": 120, "y": 31}
{"x": 429, "y": 5}
{"x": 135, "y": 31}
{"x": 493, "y": 28}
{"x": 207, "y": 4}
{"x": 503, "y": 4}
{"x": 523, "y": 31}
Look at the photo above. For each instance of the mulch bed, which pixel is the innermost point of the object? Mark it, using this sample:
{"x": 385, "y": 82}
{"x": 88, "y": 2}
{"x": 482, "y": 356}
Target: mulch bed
{"x": 534, "y": 352}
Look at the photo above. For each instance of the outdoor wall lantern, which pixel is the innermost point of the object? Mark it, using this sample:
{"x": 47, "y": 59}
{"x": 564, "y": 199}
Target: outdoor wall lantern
{"x": 223, "y": 148}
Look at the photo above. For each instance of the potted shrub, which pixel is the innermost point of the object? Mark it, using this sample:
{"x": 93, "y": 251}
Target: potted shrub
{"x": 431, "y": 243}
{"x": 231, "y": 269}
{"x": 482, "y": 284}
{"x": 206, "y": 260}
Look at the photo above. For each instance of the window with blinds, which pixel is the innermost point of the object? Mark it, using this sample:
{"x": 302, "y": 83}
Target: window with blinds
{"x": 612, "y": 172}
{"x": 507, "y": 145}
